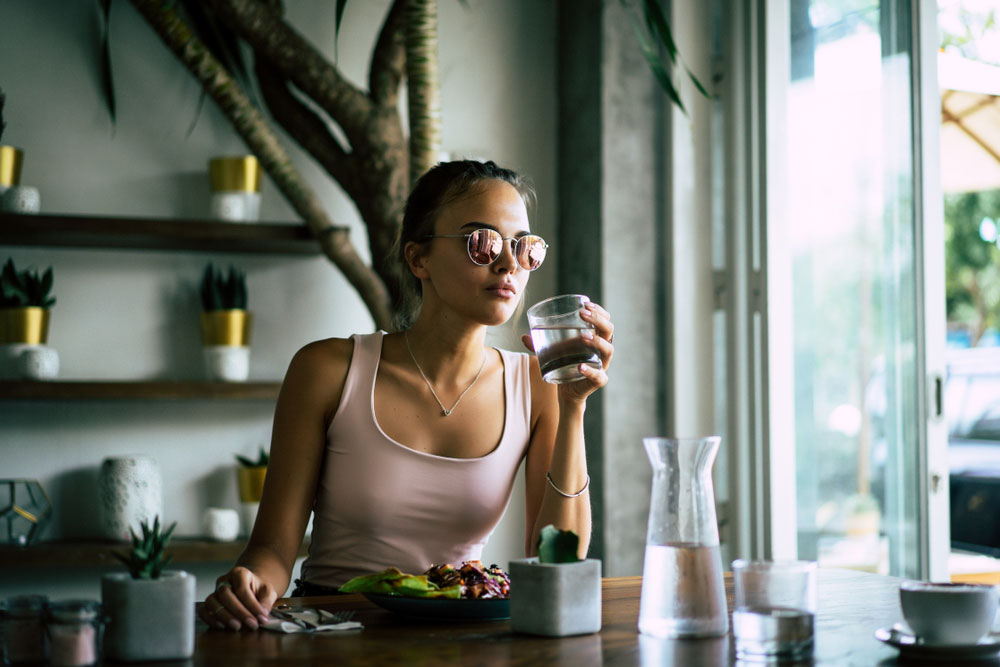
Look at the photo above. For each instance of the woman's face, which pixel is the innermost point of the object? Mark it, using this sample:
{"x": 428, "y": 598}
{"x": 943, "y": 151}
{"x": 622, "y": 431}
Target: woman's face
{"x": 485, "y": 294}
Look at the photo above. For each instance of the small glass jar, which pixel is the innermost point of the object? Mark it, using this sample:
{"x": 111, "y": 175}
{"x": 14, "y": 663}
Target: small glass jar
{"x": 74, "y": 628}
{"x": 23, "y": 629}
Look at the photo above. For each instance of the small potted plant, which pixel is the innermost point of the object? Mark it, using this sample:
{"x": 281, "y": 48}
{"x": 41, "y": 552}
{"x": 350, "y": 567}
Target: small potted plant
{"x": 13, "y": 196}
{"x": 25, "y": 301}
{"x": 250, "y": 475}
{"x": 556, "y": 594}
{"x": 150, "y": 610}
{"x": 10, "y": 157}
{"x": 225, "y": 324}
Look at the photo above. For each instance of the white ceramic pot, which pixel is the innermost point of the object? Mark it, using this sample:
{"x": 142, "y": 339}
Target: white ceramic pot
{"x": 227, "y": 363}
{"x": 130, "y": 492}
{"x": 21, "y": 199}
{"x": 38, "y": 362}
{"x": 236, "y": 206}
{"x": 148, "y": 619}
{"x": 222, "y": 523}
{"x": 555, "y": 599}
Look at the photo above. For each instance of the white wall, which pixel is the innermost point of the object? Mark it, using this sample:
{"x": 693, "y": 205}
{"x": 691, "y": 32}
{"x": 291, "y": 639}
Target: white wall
{"x": 133, "y": 314}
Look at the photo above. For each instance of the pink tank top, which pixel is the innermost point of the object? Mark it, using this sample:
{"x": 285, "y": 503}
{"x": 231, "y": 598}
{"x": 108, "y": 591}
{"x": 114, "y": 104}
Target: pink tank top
{"x": 380, "y": 504}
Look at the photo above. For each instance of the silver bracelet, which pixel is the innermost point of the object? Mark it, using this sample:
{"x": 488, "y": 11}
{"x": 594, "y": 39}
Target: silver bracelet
{"x": 563, "y": 493}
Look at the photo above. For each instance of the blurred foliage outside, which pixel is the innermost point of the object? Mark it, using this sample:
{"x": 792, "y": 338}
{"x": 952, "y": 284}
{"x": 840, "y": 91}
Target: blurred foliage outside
{"x": 972, "y": 268}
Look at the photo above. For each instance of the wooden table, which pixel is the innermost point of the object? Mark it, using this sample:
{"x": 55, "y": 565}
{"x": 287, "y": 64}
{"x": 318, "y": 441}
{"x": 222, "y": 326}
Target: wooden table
{"x": 852, "y": 605}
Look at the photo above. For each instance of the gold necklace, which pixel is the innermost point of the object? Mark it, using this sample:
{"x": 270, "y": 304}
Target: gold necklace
{"x": 445, "y": 411}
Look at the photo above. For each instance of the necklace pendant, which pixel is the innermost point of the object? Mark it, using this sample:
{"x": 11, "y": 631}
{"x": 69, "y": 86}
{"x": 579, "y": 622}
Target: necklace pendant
{"x": 446, "y": 412}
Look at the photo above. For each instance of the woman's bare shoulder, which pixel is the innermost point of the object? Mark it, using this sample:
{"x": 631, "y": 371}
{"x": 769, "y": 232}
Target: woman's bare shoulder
{"x": 320, "y": 368}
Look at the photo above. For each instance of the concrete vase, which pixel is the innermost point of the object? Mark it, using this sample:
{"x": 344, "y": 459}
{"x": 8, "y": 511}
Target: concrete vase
{"x": 148, "y": 619}
{"x": 555, "y": 599}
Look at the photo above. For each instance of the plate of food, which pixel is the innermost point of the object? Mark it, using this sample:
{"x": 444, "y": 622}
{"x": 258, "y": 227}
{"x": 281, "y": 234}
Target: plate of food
{"x": 470, "y": 592}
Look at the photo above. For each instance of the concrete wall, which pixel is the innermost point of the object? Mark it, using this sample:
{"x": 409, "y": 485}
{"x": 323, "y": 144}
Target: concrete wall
{"x": 132, "y": 314}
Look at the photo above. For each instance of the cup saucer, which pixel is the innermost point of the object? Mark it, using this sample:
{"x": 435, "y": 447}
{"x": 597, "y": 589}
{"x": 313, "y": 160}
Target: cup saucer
{"x": 900, "y": 637}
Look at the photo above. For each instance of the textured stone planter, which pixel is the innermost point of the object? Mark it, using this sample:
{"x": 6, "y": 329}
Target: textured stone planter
{"x": 130, "y": 492}
{"x": 555, "y": 599}
{"x": 148, "y": 619}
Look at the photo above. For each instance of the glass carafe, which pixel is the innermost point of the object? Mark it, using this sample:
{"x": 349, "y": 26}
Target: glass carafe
{"x": 683, "y": 594}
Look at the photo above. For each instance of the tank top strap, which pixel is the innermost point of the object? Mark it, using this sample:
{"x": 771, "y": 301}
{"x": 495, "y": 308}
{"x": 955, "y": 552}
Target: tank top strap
{"x": 360, "y": 381}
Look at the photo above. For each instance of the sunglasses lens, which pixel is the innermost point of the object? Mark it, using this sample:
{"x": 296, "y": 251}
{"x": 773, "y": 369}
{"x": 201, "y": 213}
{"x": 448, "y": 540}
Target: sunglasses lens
{"x": 530, "y": 251}
{"x": 485, "y": 245}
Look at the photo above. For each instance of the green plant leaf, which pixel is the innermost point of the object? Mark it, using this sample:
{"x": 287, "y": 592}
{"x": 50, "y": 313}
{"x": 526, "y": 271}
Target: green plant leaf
{"x": 558, "y": 546}
{"x": 338, "y": 17}
{"x": 107, "y": 79}
{"x": 660, "y": 69}
{"x": 658, "y": 27}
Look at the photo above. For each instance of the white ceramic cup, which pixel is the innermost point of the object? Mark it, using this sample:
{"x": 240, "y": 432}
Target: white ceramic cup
{"x": 947, "y": 613}
{"x": 221, "y": 523}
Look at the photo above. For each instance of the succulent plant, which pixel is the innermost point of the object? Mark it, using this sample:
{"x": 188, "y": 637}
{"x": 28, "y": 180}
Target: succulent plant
{"x": 262, "y": 460}
{"x": 146, "y": 560}
{"x": 21, "y": 289}
{"x": 222, "y": 291}
{"x": 558, "y": 546}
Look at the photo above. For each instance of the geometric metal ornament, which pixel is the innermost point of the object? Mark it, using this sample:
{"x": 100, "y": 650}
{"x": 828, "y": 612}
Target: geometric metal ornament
{"x": 24, "y": 511}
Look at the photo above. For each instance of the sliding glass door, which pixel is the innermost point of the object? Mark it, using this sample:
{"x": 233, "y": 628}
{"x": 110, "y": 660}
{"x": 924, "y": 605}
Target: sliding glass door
{"x": 844, "y": 340}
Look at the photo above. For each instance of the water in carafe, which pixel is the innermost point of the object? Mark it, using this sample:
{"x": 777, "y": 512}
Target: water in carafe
{"x": 683, "y": 594}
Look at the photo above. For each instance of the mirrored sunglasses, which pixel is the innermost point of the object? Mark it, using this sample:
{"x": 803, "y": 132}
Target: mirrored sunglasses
{"x": 485, "y": 246}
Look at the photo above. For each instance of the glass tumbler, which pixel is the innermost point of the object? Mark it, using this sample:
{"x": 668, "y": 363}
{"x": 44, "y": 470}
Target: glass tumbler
{"x": 23, "y": 629}
{"x": 775, "y": 606}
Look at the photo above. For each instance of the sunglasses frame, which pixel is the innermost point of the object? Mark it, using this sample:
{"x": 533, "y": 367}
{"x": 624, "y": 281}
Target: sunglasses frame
{"x": 468, "y": 249}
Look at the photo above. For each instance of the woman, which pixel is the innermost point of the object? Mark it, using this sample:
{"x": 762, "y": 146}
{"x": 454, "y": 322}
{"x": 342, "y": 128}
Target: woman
{"x": 406, "y": 445}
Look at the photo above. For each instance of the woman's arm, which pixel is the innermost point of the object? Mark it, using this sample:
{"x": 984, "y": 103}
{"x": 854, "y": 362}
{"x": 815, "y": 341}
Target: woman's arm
{"x": 557, "y": 444}
{"x": 309, "y": 396}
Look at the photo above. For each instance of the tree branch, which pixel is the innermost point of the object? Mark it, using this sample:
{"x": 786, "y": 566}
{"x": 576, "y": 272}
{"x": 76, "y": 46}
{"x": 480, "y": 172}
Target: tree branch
{"x": 298, "y": 61}
{"x": 389, "y": 58}
{"x": 423, "y": 91}
{"x": 306, "y": 127}
{"x": 257, "y": 134}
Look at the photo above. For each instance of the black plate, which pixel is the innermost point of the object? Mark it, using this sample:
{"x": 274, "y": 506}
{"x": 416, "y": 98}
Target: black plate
{"x": 435, "y": 608}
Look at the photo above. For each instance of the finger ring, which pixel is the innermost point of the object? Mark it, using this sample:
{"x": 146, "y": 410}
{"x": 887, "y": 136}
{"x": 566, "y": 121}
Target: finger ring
{"x": 611, "y": 338}
{"x": 221, "y": 585}
{"x": 220, "y": 608}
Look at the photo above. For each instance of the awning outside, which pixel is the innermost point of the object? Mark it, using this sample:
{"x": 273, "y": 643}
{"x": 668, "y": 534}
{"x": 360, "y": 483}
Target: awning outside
{"x": 970, "y": 124}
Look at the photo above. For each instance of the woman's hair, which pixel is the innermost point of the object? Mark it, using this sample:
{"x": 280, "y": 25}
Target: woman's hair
{"x": 439, "y": 186}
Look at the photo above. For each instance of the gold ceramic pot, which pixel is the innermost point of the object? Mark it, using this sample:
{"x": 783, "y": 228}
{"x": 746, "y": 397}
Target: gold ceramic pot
{"x": 226, "y": 327}
{"x": 240, "y": 173}
{"x": 10, "y": 166}
{"x": 24, "y": 325}
{"x": 251, "y": 483}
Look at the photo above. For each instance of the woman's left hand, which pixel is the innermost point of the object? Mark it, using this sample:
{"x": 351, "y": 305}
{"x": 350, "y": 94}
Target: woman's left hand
{"x": 599, "y": 339}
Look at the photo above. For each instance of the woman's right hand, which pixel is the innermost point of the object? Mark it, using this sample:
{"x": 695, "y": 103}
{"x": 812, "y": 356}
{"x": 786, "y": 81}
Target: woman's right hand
{"x": 241, "y": 601}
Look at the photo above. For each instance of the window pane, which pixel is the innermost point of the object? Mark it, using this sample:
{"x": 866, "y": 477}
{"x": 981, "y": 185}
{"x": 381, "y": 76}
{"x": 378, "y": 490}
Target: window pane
{"x": 850, "y": 202}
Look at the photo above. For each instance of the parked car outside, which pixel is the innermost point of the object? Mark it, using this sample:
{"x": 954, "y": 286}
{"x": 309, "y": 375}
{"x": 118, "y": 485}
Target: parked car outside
{"x": 972, "y": 408}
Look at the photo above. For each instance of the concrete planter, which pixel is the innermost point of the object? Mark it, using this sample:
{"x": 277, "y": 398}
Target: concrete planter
{"x": 148, "y": 619}
{"x": 555, "y": 599}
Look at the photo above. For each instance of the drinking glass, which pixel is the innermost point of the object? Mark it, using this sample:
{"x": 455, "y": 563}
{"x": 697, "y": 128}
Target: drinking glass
{"x": 556, "y": 329}
{"x": 775, "y": 606}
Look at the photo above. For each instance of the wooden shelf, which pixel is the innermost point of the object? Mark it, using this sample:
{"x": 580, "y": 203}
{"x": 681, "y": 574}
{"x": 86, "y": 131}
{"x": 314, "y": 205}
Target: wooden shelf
{"x": 158, "y": 390}
{"x": 72, "y": 231}
{"x": 96, "y": 553}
